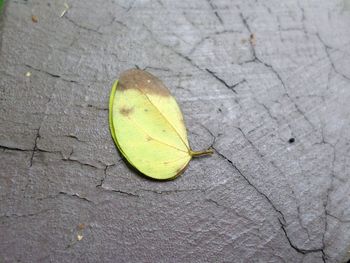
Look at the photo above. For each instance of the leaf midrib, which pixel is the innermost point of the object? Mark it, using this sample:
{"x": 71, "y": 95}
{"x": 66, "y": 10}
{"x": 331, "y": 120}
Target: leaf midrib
{"x": 171, "y": 125}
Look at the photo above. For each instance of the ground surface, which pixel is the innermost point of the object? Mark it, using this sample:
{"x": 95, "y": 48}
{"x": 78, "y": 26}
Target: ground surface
{"x": 249, "y": 75}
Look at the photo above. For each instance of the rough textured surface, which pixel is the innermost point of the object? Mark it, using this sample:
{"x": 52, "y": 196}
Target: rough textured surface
{"x": 249, "y": 76}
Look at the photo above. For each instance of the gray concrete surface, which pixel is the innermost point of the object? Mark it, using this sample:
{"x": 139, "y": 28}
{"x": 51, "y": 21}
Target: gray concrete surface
{"x": 249, "y": 75}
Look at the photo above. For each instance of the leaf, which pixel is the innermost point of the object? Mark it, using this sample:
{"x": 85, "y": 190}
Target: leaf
{"x": 147, "y": 126}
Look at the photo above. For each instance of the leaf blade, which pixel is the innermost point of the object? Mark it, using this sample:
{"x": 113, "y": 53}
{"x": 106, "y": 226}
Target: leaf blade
{"x": 147, "y": 126}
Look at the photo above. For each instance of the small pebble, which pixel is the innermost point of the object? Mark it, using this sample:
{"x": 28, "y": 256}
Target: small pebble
{"x": 35, "y": 19}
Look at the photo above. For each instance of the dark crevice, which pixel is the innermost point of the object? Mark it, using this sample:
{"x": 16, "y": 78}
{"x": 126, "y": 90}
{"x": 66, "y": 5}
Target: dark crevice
{"x": 297, "y": 249}
{"x": 303, "y": 19}
{"x": 281, "y": 217}
{"x": 189, "y": 60}
{"x": 171, "y": 191}
{"x": 92, "y": 107}
{"x": 214, "y": 8}
{"x": 158, "y": 192}
{"x": 130, "y": 6}
{"x": 7, "y": 148}
{"x": 220, "y": 79}
{"x": 75, "y": 196}
{"x": 250, "y": 143}
{"x": 82, "y": 27}
{"x": 345, "y": 221}
{"x": 160, "y": 3}
{"x": 252, "y": 185}
{"x": 252, "y": 47}
{"x": 328, "y": 192}
{"x": 113, "y": 20}
{"x": 327, "y": 48}
{"x": 256, "y": 59}
{"x": 74, "y": 137}
{"x": 286, "y": 92}
{"x": 105, "y": 175}
{"x": 211, "y": 134}
{"x": 50, "y": 74}
{"x": 118, "y": 191}
{"x": 96, "y": 107}
{"x": 35, "y": 148}
{"x": 267, "y": 110}
{"x": 81, "y": 163}
{"x": 12, "y": 216}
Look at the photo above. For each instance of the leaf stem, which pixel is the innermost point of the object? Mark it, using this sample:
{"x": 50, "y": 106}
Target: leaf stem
{"x": 201, "y": 153}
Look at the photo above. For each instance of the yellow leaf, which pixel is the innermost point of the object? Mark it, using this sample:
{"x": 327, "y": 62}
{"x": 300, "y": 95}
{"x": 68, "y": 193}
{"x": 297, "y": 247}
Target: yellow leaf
{"x": 147, "y": 126}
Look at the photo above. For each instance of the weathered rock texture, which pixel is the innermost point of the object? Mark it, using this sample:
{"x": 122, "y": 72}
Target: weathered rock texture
{"x": 249, "y": 76}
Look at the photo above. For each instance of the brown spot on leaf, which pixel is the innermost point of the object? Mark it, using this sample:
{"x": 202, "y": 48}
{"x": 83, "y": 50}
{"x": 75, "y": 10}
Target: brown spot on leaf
{"x": 149, "y": 138}
{"x": 126, "y": 111}
{"x": 143, "y": 81}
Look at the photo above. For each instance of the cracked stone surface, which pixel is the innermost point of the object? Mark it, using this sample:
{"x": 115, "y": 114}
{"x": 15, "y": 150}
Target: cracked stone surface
{"x": 265, "y": 83}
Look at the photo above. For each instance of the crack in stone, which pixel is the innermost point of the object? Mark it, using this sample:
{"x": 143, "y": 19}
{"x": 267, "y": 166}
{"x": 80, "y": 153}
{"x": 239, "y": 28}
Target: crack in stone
{"x": 279, "y": 212}
{"x": 15, "y": 215}
{"x": 346, "y": 221}
{"x": 327, "y": 48}
{"x": 275, "y": 72}
{"x": 281, "y": 217}
{"x": 287, "y": 93}
{"x": 214, "y": 8}
{"x": 35, "y": 148}
{"x": 222, "y": 81}
{"x": 158, "y": 192}
{"x": 329, "y": 190}
{"x": 303, "y": 19}
{"x": 188, "y": 59}
{"x": 92, "y": 106}
{"x": 50, "y": 74}
{"x": 105, "y": 174}
{"x": 267, "y": 110}
{"x": 113, "y": 20}
{"x": 171, "y": 191}
{"x": 74, "y": 196}
{"x": 118, "y": 191}
{"x": 81, "y": 163}
{"x": 7, "y": 148}
{"x": 74, "y": 137}
{"x": 301, "y": 250}
{"x": 82, "y": 27}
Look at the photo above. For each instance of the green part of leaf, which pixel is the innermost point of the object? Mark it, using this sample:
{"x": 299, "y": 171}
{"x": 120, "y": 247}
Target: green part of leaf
{"x": 110, "y": 116}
